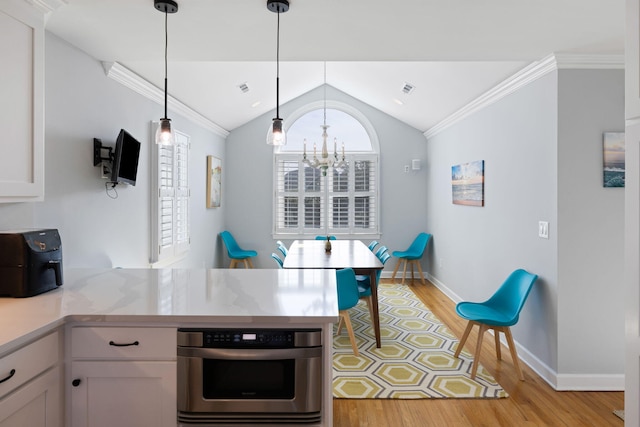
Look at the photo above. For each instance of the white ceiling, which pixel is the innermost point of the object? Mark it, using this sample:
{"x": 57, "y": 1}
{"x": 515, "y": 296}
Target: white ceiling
{"x": 451, "y": 51}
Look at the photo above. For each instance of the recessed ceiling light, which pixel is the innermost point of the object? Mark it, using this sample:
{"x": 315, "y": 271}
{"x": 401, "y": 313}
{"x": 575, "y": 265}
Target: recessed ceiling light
{"x": 397, "y": 101}
{"x": 255, "y": 104}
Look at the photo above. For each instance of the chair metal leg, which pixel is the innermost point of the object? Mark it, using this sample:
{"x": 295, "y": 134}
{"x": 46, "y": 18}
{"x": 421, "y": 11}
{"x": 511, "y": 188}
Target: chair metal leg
{"x": 465, "y": 335}
{"x": 352, "y": 337}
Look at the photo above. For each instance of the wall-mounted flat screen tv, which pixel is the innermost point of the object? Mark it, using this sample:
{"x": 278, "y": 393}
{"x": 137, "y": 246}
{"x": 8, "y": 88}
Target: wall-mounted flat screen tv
{"x": 125, "y": 159}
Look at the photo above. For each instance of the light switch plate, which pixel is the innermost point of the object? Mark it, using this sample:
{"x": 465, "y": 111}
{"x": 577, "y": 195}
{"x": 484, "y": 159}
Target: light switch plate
{"x": 543, "y": 229}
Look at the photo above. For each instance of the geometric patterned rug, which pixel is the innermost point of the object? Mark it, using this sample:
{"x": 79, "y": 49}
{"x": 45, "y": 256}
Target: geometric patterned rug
{"x": 415, "y": 360}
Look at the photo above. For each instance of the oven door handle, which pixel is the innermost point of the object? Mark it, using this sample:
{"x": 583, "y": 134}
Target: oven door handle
{"x": 250, "y": 353}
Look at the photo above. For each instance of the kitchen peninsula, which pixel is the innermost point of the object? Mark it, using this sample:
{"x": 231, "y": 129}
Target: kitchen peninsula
{"x": 124, "y": 322}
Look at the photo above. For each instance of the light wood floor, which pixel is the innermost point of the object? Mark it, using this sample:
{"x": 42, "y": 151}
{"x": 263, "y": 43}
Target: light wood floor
{"x": 530, "y": 403}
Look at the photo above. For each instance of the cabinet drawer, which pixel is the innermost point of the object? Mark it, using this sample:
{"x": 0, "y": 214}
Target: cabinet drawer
{"x": 122, "y": 342}
{"x": 25, "y": 363}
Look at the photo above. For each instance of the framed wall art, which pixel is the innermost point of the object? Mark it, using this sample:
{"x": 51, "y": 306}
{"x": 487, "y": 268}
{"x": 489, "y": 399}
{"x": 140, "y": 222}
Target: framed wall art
{"x": 214, "y": 181}
{"x": 467, "y": 183}
{"x": 613, "y": 159}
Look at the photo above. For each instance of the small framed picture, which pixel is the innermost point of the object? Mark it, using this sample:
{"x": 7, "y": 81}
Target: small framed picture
{"x": 613, "y": 159}
{"x": 214, "y": 181}
{"x": 467, "y": 183}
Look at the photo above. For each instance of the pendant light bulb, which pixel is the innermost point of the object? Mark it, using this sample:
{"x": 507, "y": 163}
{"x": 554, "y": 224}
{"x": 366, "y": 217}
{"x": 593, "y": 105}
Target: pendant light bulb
{"x": 277, "y": 136}
{"x": 164, "y": 133}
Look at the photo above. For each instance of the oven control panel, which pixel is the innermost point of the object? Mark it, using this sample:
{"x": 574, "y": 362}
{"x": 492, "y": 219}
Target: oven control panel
{"x": 249, "y": 338}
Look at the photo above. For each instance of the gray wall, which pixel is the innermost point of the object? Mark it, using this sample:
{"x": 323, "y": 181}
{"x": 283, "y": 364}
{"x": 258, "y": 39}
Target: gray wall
{"x": 97, "y": 231}
{"x": 590, "y": 225}
{"x": 249, "y": 178}
{"x": 542, "y": 148}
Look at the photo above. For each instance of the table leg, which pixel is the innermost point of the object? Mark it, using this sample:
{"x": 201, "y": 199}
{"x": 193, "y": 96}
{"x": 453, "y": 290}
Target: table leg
{"x": 374, "y": 306}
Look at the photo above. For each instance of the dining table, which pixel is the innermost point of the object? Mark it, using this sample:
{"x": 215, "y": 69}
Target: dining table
{"x": 343, "y": 254}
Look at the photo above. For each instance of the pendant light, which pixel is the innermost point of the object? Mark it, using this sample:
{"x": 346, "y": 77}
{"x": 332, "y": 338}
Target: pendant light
{"x": 277, "y": 136}
{"x": 164, "y": 133}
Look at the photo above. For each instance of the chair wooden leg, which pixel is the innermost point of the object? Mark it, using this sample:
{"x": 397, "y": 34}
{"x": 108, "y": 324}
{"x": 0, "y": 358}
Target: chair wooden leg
{"x": 369, "y": 305}
{"x": 340, "y": 324}
{"x": 465, "y": 335}
{"x": 395, "y": 270}
{"x": 421, "y": 273}
{"x": 404, "y": 272}
{"x": 496, "y": 335}
{"x": 512, "y": 349}
{"x": 250, "y": 262}
{"x": 233, "y": 264}
{"x": 246, "y": 264}
{"x": 476, "y": 357}
{"x": 412, "y": 262}
{"x": 352, "y": 337}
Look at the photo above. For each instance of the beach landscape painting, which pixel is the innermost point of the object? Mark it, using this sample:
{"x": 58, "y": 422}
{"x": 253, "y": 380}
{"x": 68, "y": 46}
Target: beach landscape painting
{"x": 467, "y": 183}
{"x": 613, "y": 159}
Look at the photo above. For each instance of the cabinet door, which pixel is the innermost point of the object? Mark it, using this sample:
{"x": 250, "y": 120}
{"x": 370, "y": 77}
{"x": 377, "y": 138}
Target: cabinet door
{"x": 123, "y": 393}
{"x": 22, "y": 107}
{"x": 35, "y": 405}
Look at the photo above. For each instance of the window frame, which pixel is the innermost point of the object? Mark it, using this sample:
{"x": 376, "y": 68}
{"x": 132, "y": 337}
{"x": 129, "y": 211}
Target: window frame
{"x": 296, "y": 156}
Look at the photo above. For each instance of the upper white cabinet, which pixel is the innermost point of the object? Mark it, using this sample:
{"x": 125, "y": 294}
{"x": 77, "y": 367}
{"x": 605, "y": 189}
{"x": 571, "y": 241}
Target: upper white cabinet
{"x": 22, "y": 102}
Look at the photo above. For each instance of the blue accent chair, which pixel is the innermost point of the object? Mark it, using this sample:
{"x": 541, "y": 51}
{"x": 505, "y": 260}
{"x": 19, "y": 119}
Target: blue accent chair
{"x": 278, "y": 260}
{"x": 412, "y": 256}
{"x": 373, "y": 245}
{"x": 381, "y": 251}
{"x": 364, "y": 284}
{"x": 347, "y": 298}
{"x": 235, "y": 252}
{"x": 325, "y": 237}
{"x": 282, "y": 248}
{"x": 499, "y": 312}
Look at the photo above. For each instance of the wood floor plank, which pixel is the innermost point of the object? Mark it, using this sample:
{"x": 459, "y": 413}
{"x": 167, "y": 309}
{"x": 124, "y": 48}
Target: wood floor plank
{"x": 530, "y": 403}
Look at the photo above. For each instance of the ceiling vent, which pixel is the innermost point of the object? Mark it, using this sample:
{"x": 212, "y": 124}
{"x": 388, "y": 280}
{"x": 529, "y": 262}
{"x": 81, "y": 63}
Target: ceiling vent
{"x": 244, "y": 87}
{"x": 408, "y": 88}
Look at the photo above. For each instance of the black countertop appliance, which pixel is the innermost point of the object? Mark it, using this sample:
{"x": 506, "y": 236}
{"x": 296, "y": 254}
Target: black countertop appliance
{"x": 30, "y": 262}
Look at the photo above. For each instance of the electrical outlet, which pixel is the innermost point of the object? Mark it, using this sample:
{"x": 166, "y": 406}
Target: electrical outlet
{"x": 543, "y": 229}
{"x": 406, "y": 168}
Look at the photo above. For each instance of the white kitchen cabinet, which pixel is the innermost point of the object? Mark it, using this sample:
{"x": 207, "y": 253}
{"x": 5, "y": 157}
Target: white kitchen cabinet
{"x": 30, "y": 388}
{"x": 122, "y": 376}
{"x": 22, "y": 106}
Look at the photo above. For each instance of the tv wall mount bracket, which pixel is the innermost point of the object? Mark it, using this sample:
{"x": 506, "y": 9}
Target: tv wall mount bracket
{"x": 98, "y": 154}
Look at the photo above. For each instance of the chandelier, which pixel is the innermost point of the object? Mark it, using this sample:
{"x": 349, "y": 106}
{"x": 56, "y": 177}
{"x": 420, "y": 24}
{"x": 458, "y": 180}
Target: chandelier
{"x": 325, "y": 162}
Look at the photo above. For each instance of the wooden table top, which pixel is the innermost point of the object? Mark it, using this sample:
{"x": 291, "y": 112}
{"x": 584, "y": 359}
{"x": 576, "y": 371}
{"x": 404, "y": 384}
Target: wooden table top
{"x": 344, "y": 254}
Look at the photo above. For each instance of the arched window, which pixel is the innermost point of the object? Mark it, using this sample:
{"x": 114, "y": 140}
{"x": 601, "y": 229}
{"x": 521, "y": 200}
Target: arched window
{"x": 344, "y": 201}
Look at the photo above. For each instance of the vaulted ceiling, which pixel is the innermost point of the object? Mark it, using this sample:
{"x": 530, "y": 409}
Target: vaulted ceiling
{"x": 449, "y": 51}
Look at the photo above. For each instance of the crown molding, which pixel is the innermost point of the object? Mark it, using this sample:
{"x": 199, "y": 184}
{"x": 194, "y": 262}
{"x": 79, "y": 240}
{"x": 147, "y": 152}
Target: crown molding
{"x": 527, "y": 75}
{"x": 46, "y": 6}
{"x": 128, "y": 78}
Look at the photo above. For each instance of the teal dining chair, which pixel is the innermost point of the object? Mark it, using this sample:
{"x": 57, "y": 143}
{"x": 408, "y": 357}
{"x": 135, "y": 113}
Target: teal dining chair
{"x": 373, "y": 245}
{"x": 364, "y": 284}
{"x": 282, "y": 248}
{"x": 277, "y": 259}
{"x": 325, "y": 237}
{"x": 235, "y": 252}
{"x": 499, "y": 312}
{"x": 347, "y": 298}
{"x": 412, "y": 256}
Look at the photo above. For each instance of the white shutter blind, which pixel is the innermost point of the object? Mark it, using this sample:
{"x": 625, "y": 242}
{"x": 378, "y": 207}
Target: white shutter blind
{"x": 342, "y": 202}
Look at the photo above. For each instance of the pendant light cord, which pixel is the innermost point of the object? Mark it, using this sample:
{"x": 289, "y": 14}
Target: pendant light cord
{"x": 278, "y": 68}
{"x": 166, "y": 44}
{"x": 325, "y": 93}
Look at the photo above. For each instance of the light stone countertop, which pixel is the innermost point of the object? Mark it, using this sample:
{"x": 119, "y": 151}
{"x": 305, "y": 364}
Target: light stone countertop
{"x": 177, "y": 297}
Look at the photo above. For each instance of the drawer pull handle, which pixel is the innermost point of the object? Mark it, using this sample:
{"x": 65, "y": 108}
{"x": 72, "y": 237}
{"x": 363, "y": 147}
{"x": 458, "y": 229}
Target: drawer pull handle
{"x": 76, "y": 382}
{"x": 11, "y": 374}
{"x": 115, "y": 344}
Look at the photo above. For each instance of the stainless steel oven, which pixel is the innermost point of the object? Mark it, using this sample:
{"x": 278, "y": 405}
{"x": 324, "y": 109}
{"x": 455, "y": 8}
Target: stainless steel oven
{"x": 270, "y": 376}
